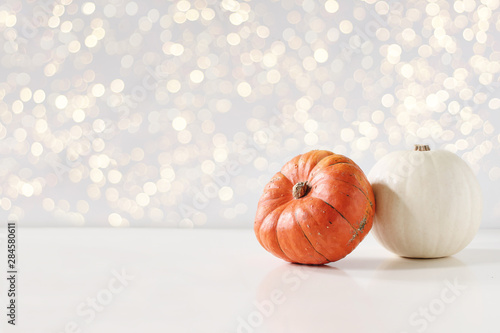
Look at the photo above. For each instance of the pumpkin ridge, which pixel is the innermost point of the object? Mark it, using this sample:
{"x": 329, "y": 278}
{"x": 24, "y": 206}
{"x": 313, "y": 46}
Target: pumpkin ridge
{"x": 339, "y": 214}
{"x": 276, "y": 231}
{"x": 278, "y": 243}
{"x": 330, "y": 222}
{"x": 438, "y": 245}
{"x": 351, "y": 163}
{"x": 315, "y": 250}
{"x": 471, "y": 225}
{"x": 274, "y": 199}
{"x": 366, "y": 195}
{"x": 308, "y": 157}
{"x": 348, "y": 163}
{"x": 275, "y": 179}
{"x": 359, "y": 230}
{"x": 288, "y": 179}
{"x": 326, "y": 166}
{"x": 314, "y": 171}
{"x": 471, "y": 213}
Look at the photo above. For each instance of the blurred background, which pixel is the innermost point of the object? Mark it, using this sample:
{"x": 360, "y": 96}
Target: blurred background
{"x": 177, "y": 113}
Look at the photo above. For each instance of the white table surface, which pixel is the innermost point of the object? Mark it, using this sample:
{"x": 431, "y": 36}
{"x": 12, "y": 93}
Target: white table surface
{"x": 223, "y": 281}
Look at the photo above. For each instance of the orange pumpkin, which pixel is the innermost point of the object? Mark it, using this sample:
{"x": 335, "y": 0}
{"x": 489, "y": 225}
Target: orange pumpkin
{"x": 316, "y": 209}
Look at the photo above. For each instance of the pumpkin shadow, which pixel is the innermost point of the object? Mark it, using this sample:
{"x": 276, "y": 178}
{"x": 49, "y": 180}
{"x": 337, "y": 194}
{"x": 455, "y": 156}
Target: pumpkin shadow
{"x": 460, "y": 261}
{"x": 472, "y": 256}
{"x": 412, "y": 264}
{"x": 395, "y": 262}
{"x": 359, "y": 263}
{"x": 313, "y": 298}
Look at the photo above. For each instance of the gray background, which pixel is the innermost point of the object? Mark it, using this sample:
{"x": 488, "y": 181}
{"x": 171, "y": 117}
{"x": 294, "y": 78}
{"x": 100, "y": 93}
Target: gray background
{"x": 176, "y": 114}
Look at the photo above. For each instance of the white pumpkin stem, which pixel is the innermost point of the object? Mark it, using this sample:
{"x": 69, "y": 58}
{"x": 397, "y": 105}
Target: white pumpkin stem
{"x": 300, "y": 189}
{"x": 422, "y": 147}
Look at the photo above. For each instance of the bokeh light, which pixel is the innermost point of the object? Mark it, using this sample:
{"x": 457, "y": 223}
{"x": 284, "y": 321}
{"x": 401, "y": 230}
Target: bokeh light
{"x": 176, "y": 114}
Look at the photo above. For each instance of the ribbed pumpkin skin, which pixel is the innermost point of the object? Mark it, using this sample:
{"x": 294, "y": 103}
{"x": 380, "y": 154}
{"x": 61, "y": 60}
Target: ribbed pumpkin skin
{"x": 324, "y": 225}
{"x": 429, "y": 203}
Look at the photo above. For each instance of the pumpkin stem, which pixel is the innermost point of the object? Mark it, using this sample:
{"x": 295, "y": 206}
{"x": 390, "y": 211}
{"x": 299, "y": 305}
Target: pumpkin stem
{"x": 300, "y": 189}
{"x": 422, "y": 147}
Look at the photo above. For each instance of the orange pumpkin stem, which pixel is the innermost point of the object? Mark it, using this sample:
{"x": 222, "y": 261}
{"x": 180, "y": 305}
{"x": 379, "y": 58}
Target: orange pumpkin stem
{"x": 422, "y": 147}
{"x": 300, "y": 189}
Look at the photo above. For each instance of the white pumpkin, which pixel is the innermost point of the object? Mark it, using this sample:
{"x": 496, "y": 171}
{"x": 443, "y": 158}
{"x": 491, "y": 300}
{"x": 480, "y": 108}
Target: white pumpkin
{"x": 429, "y": 203}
